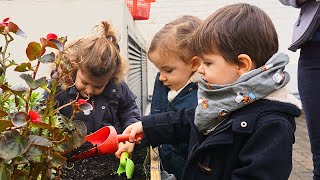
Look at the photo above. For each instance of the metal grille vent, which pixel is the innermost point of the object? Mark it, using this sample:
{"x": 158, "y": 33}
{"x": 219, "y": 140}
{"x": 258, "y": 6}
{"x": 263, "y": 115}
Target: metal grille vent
{"x": 137, "y": 75}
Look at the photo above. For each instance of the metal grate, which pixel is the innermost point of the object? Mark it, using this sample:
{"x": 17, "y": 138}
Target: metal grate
{"x": 137, "y": 75}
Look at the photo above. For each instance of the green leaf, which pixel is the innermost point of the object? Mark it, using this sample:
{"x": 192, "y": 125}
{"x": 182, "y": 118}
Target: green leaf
{"x": 80, "y": 134}
{"x": 80, "y": 127}
{"x": 12, "y": 62}
{"x": 33, "y": 50}
{"x": 5, "y": 170}
{"x": 67, "y": 146}
{"x": 121, "y": 169}
{"x": 53, "y": 43}
{"x": 58, "y": 160}
{"x": 39, "y": 82}
{"x": 23, "y": 67}
{"x": 33, "y": 84}
{"x": 129, "y": 168}
{"x": 66, "y": 122}
{"x": 36, "y": 169}
{"x": 4, "y": 124}
{"x": 34, "y": 154}
{"x": 12, "y": 144}
{"x": 56, "y": 44}
{"x": 40, "y": 141}
{"x": 1, "y": 29}
{"x": 48, "y": 58}
{"x": 41, "y": 125}
{"x": 17, "y": 90}
{"x": 77, "y": 139}
{"x": 20, "y": 160}
{"x": 20, "y": 33}
{"x": 15, "y": 29}
{"x": 126, "y": 165}
{"x": 20, "y": 119}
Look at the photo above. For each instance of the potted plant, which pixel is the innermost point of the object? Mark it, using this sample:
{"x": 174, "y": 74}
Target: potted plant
{"x": 33, "y": 135}
{"x": 35, "y": 140}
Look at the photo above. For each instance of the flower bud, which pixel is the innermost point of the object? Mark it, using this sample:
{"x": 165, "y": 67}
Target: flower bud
{"x": 6, "y": 30}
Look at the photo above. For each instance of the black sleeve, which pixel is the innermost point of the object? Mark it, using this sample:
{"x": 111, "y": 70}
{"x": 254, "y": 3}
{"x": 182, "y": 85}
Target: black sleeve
{"x": 128, "y": 110}
{"x": 168, "y": 127}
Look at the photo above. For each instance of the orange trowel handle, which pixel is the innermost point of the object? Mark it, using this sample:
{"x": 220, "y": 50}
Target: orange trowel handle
{"x": 125, "y": 137}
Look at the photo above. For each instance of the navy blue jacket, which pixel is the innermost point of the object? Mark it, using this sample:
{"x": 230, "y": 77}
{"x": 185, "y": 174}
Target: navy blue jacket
{"x": 186, "y": 99}
{"x": 115, "y": 106}
{"x": 173, "y": 156}
{"x": 254, "y": 142}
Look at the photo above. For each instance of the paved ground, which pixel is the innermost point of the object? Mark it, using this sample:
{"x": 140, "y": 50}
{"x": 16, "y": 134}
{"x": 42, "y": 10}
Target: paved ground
{"x": 302, "y": 158}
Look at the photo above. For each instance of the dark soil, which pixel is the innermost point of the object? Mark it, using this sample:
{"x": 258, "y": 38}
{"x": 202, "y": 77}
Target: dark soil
{"x": 104, "y": 167}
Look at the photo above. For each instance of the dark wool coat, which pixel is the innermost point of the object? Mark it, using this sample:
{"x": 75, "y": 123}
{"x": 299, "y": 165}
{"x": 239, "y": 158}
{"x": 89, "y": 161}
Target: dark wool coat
{"x": 173, "y": 156}
{"x": 115, "y": 106}
{"x": 254, "y": 142}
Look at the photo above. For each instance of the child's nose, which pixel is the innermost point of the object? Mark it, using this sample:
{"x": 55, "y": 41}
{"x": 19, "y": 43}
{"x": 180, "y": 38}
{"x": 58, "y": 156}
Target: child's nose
{"x": 162, "y": 77}
{"x": 200, "y": 70}
{"x": 89, "y": 91}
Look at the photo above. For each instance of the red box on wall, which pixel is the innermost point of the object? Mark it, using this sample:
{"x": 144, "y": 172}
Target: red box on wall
{"x": 140, "y": 9}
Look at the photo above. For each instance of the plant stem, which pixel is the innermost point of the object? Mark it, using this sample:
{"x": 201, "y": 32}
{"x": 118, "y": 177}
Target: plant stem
{"x": 36, "y": 70}
{"x": 49, "y": 111}
{"x": 5, "y": 48}
{"x": 63, "y": 106}
{"x": 47, "y": 89}
{"x": 40, "y": 131}
{"x": 30, "y": 90}
{"x": 73, "y": 116}
{"x": 3, "y": 53}
{"x": 25, "y": 131}
{"x": 14, "y": 168}
{"x": 6, "y": 97}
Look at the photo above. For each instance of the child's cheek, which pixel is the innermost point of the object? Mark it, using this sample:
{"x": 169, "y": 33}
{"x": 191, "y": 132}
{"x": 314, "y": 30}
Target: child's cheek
{"x": 79, "y": 86}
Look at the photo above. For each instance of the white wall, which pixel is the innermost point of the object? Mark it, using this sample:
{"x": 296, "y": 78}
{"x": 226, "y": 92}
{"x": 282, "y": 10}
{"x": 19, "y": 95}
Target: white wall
{"x": 74, "y": 18}
{"x": 71, "y": 18}
{"x": 163, "y": 11}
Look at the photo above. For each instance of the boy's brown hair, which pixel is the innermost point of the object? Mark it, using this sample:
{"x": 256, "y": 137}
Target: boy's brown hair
{"x": 175, "y": 38}
{"x": 98, "y": 56}
{"x": 237, "y": 29}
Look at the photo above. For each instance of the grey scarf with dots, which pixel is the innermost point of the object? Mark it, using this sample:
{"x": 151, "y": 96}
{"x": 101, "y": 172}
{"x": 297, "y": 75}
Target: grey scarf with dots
{"x": 216, "y": 102}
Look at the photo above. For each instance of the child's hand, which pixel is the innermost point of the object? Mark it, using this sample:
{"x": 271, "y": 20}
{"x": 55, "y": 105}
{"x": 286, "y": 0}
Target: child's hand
{"x": 124, "y": 147}
{"x": 133, "y": 130}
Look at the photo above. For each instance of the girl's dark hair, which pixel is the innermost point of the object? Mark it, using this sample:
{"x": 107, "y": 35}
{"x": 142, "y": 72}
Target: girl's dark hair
{"x": 98, "y": 56}
{"x": 237, "y": 29}
{"x": 175, "y": 38}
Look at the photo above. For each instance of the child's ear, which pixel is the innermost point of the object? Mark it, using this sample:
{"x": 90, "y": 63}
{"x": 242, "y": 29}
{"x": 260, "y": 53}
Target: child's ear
{"x": 245, "y": 64}
{"x": 196, "y": 62}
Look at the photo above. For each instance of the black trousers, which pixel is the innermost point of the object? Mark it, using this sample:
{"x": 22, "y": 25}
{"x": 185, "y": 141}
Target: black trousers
{"x": 309, "y": 90}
